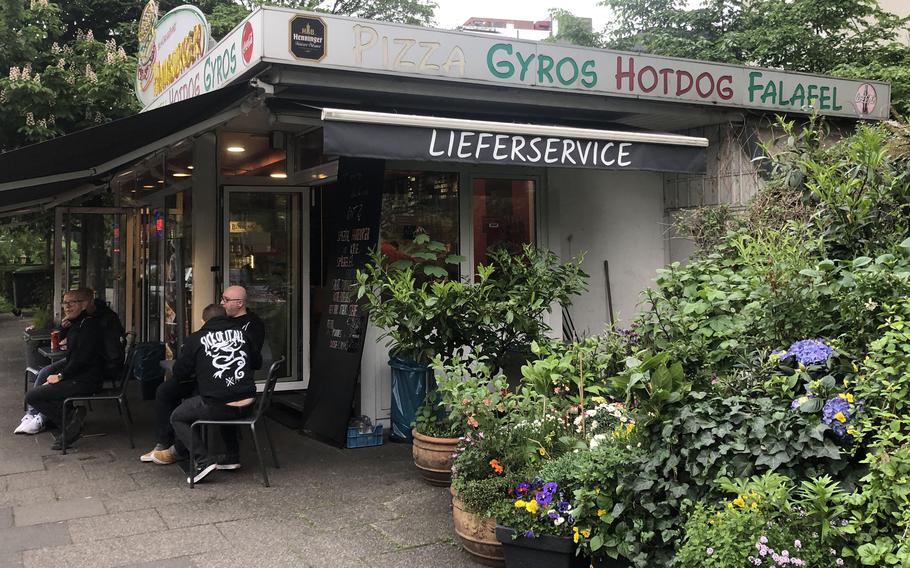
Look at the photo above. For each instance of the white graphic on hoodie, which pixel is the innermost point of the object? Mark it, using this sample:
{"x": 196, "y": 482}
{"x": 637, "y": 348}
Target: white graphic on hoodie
{"x": 226, "y": 351}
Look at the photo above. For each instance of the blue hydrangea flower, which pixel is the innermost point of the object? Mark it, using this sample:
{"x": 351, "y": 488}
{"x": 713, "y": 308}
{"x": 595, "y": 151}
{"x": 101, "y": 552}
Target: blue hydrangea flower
{"x": 809, "y": 351}
{"x": 832, "y": 408}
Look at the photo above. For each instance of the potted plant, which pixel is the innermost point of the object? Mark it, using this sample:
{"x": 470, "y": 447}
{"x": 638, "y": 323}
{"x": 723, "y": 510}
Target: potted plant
{"x": 415, "y": 303}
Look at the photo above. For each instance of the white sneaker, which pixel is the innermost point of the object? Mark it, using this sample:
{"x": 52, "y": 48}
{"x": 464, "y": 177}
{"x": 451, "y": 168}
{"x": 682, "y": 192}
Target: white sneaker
{"x": 30, "y": 424}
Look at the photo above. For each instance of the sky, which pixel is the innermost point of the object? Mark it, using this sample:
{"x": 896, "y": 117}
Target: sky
{"x": 452, "y": 13}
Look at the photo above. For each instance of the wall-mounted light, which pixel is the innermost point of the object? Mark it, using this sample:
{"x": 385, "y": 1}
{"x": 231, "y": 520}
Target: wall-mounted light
{"x": 148, "y": 186}
{"x": 278, "y": 175}
{"x": 236, "y": 149}
{"x": 190, "y": 167}
{"x": 182, "y": 175}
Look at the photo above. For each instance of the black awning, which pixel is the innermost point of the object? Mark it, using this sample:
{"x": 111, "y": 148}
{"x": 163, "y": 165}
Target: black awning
{"x": 377, "y": 135}
{"x": 40, "y": 171}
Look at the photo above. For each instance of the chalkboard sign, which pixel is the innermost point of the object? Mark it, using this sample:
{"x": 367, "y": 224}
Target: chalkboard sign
{"x": 351, "y": 213}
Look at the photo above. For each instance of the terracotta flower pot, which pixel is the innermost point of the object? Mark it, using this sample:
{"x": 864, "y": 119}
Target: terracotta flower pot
{"x": 433, "y": 456}
{"x": 477, "y": 534}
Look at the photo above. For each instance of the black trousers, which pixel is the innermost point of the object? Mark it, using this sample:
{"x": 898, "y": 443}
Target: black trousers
{"x": 193, "y": 409}
{"x": 168, "y": 397}
{"x": 48, "y": 398}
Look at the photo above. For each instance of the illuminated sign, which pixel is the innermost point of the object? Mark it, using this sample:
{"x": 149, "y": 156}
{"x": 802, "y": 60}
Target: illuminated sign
{"x": 168, "y": 48}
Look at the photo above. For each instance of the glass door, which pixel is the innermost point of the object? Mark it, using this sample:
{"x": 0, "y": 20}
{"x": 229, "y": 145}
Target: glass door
{"x": 263, "y": 251}
{"x": 90, "y": 252}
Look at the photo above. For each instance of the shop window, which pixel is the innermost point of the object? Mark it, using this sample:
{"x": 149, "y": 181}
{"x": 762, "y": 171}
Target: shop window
{"x": 178, "y": 270}
{"x": 242, "y": 154}
{"x": 414, "y": 202}
{"x": 504, "y": 216}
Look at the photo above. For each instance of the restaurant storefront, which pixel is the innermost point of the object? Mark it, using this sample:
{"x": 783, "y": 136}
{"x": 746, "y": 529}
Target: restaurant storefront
{"x": 275, "y": 158}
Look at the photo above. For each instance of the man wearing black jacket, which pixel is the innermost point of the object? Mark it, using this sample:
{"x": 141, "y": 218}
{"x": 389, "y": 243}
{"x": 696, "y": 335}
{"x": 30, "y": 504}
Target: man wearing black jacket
{"x": 234, "y": 301}
{"x": 224, "y": 359}
{"x": 81, "y": 375}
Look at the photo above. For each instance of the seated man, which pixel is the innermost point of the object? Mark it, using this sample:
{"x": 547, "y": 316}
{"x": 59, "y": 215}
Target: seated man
{"x": 112, "y": 351}
{"x": 224, "y": 360}
{"x": 83, "y": 372}
{"x": 169, "y": 395}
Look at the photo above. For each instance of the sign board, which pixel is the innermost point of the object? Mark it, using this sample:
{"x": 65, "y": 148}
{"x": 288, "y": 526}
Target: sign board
{"x": 351, "y": 228}
{"x": 168, "y": 48}
{"x": 233, "y": 56}
{"x": 379, "y": 47}
{"x": 336, "y": 42}
{"x": 445, "y": 145}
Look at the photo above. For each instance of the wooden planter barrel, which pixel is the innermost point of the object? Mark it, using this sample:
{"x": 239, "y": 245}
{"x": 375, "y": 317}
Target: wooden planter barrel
{"x": 433, "y": 456}
{"x": 477, "y": 535}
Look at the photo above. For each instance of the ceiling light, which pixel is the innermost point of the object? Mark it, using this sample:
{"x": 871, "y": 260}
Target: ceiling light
{"x": 278, "y": 175}
{"x": 189, "y": 167}
{"x": 148, "y": 186}
{"x": 160, "y": 181}
{"x": 235, "y": 149}
{"x": 182, "y": 175}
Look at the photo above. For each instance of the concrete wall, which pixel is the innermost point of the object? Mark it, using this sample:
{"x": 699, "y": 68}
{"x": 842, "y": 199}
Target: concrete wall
{"x": 613, "y": 216}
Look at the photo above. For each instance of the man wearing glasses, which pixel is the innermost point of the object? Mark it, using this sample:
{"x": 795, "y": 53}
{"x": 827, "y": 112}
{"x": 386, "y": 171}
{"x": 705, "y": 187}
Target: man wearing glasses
{"x": 234, "y": 301}
{"x": 82, "y": 373}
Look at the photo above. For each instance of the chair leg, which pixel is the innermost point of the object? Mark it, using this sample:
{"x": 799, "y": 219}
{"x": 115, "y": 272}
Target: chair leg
{"x": 192, "y": 459}
{"x": 268, "y": 436}
{"x": 265, "y": 475}
{"x": 63, "y": 429}
{"x": 126, "y": 406}
{"x": 25, "y": 404}
{"x": 126, "y": 421}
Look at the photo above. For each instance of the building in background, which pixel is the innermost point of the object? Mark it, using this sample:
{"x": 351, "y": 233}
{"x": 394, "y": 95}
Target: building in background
{"x": 902, "y": 9}
{"x": 521, "y": 29}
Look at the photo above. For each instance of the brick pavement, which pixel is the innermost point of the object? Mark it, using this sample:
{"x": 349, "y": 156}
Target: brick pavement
{"x": 99, "y": 506}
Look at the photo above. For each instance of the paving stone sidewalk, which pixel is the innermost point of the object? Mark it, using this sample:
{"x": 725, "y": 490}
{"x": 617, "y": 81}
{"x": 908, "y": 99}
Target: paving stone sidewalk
{"x": 99, "y": 506}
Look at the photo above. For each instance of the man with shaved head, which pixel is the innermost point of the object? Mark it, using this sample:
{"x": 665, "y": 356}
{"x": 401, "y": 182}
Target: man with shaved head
{"x": 234, "y": 301}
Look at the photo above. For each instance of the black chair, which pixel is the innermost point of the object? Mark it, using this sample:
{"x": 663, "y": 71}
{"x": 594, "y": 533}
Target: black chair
{"x": 31, "y": 374}
{"x": 117, "y": 392}
{"x": 264, "y": 400}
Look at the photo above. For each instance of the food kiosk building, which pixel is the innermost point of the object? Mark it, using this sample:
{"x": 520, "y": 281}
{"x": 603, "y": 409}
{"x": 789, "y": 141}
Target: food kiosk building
{"x": 277, "y": 156}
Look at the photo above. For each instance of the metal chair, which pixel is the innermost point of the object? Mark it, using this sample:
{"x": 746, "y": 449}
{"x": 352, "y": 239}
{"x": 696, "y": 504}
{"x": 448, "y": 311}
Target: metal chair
{"x": 31, "y": 374}
{"x": 264, "y": 401}
{"x": 117, "y": 393}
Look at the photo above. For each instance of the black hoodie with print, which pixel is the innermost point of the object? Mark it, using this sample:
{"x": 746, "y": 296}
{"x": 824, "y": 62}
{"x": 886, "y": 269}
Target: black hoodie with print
{"x": 223, "y": 359}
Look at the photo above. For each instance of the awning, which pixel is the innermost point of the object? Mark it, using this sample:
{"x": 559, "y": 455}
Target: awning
{"x": 437, "y": 139}
{"x": 36, "y": 174}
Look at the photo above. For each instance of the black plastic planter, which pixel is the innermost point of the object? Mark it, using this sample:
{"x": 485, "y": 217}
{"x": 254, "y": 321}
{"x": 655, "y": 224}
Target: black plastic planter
{"x": 538, "y": 552}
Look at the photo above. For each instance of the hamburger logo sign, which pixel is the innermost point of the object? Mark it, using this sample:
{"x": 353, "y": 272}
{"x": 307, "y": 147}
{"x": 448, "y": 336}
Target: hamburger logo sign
{"x": 168, "y": 47}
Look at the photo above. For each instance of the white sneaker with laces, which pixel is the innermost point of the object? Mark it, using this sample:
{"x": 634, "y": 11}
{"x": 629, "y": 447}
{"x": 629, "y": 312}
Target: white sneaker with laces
{"x": 20, "y": 429}
{"x": 31, "y": 424}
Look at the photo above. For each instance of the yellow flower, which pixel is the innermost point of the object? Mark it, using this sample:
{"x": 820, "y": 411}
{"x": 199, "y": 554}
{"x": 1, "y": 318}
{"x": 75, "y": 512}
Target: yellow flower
{"x": 848, "y": 396}
{"x": 739, "y": 502}
{"x": 840, "y": 417}
{"x": 520, "y": 504}
{"x": 755, "y": 504}
{"x": 575, "y": 535}
{"x": 601, "y": 512}
{"x": 586, "y": 533}
{"x": 531, "y": 507}
{"x": 629, "y": 427}
{"x": 541, "y": 451}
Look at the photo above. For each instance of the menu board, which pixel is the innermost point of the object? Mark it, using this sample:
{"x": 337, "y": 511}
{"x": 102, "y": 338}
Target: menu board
{"x": 351, "y": 228}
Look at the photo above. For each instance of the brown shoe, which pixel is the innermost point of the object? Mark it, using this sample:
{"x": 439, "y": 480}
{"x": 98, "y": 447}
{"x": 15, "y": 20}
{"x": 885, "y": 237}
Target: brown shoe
{"x": 164, "y": 457}
{"x": 147, "y": 457}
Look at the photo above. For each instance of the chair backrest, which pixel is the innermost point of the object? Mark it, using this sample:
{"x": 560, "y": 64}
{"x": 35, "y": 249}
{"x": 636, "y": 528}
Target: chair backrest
{"x": 269, "y": 388}
{"x": 129, "y": 357}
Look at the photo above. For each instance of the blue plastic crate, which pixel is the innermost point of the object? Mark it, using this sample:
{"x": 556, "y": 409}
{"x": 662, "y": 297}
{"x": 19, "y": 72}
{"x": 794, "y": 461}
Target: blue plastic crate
{"x": 358, "y": 440}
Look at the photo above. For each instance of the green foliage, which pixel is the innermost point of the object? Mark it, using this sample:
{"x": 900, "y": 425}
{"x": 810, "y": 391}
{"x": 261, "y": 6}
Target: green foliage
{"x": 498, "y": 311}
{"x": 574, "y": 30}
{"x": 651, "y": 384}
{"x": 709, "y": 437}
{"x": 417, "y": 12}
{"x": 766, "y": 512}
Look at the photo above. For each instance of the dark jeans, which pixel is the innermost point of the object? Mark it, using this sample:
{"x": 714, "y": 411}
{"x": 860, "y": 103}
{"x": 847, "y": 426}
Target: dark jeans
{"x": 42, "y": 376}
{"x": 193, "y": 409}
{"x": 48, "y": 398}
{"x": 168, "y": 397}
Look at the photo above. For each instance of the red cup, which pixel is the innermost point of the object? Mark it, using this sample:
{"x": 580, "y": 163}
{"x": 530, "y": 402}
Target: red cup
{"x": 55, "y": 340}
